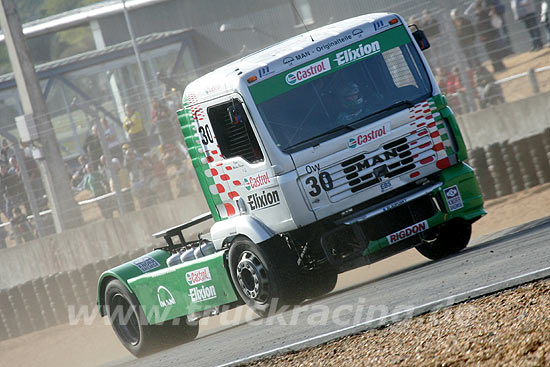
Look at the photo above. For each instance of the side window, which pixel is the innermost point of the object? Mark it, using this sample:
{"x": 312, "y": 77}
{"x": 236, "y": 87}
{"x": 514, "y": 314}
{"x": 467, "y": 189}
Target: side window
{"x": 233, "y": 132}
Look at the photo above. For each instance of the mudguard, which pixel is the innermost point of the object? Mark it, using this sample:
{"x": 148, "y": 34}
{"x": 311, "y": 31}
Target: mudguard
{"x": 165, "y": 292}
{"x": 150, "y": 262}
{"x": 245, "y": 225}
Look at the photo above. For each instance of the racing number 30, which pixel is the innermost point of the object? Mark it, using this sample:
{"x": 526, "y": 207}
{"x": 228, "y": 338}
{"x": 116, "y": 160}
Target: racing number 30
{"x": 206, "y": 134}
{"x": 324, "y": 182}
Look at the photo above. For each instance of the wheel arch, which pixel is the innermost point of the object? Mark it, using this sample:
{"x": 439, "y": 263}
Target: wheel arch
{"x": 105, "y": 279}
{"x": 127, "y": 271}
{"x": 243, "y": 225}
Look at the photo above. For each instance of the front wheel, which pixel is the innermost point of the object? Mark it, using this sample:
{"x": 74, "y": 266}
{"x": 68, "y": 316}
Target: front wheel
{"x": 263, "y": 274}
{"x": 132, "y": 329}
{"x": 320, "y": 282}
{"x": 453, "y": 237}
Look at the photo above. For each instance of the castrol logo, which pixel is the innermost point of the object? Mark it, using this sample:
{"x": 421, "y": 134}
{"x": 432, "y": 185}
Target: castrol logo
{"x": 308, "y": 72}
{"x": 369, "y": 135}
{"x": 198, "y": 276}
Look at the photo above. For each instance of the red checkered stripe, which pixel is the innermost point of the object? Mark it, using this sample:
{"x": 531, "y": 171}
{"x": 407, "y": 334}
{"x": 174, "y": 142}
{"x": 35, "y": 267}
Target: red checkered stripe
{"x": 427, "y": 121}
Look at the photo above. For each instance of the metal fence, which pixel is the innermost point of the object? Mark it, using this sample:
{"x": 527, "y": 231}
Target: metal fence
{"x": 478, "y": 61}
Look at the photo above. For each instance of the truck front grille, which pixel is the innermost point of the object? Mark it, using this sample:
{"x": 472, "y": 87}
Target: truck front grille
{"x": 392, "y": 159}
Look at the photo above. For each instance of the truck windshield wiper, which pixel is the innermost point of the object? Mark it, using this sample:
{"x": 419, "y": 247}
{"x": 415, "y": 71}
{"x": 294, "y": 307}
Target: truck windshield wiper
{"x": 405, "y": 103}
{"x": 331, "y": 131}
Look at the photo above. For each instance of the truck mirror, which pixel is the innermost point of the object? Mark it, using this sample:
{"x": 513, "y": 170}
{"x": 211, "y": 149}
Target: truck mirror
{"x": 234, "y": 115}
{"x": 419, "y": 37}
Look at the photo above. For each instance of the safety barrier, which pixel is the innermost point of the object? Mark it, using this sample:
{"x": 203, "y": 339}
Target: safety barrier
{"x": 509, "y": 167}
{"x": 44, "y": 302}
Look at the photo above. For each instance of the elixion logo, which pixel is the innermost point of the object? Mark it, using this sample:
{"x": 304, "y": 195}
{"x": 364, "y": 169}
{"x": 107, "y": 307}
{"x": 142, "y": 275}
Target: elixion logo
{"x": 256, "y": 181}
{"x": 202, "y": 294}
{"x": 263, "y": 200}
{"x": 198, "y": 276}
{"x": 308, "y": 72}
{"x": 371, "y": 135}
{"x": 408, "y": 232}
{"x": 165, "y": 297}
{"x": 352, "y": 54}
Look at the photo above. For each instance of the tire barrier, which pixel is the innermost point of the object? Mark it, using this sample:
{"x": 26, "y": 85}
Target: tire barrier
{"x": 78, "y": 289}
{"x": 8, "y": 327}
{"x": 113, "y": 261}
{"x": 100, "y": 267}
{"x": 89, "y": 283}
{"x": 21, "y": 316}
{"x": 497, "y": 169}
{"x": 46, "y": 309}
{"x": 540, "y": 158}
{"x": 506, "y": 168}
{"x": 44, "y": 302}
{"x": 526, "y": 166}
{"x": 478, "y": 160}
{"x": 123, "y": 257}
{"x": 30, "y": 302}
{"x": 512, "y": 168}
{"x": 56, "y": 300}
{"x": 8, "y": 313}
{"x": 67, "y": 293}
{"x": 546, "y": 142}
{"x": 134, "y": 254}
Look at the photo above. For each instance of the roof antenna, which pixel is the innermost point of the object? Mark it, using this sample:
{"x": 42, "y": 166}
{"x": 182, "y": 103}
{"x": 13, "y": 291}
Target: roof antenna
{"x": 301, "y": 19}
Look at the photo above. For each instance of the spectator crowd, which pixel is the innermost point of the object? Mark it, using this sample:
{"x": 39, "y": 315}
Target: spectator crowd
{"x": 144, "y": 168}
{"x": 140, "y": 161}
{"x": 481, "y": 25}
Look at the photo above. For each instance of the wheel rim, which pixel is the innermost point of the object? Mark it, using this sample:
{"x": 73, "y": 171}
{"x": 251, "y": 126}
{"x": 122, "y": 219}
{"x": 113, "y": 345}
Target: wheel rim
{"x": 252, "y": 277}
{"x": 124, "y": 319}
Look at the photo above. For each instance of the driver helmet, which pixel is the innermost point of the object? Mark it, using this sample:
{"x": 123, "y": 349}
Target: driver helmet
{"x": 350, "y": 97}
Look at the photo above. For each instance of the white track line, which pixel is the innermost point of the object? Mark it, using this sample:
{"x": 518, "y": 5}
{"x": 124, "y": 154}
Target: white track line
{"x": 428, "y": 306}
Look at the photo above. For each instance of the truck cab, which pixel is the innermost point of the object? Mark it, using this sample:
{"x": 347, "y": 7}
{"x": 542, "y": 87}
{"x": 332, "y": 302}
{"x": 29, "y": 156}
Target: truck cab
{"x": 340, "y": 135}
{"x": 328, "y": 151}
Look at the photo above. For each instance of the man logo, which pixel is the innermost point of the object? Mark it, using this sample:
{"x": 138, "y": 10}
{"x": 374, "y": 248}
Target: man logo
{"x": 288, "y": 60}
{"x": 165, "y": 297}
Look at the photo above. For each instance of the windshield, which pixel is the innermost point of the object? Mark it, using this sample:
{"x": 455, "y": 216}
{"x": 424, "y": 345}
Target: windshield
{"x": 347, "y": 89}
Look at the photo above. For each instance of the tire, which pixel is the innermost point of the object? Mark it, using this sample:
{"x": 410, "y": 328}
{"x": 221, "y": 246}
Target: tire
{"x": 133, "y": 330}
{"x": 453, "y": 237}
{"x": 264, "y": 275}
{"x": 320, "y": 282}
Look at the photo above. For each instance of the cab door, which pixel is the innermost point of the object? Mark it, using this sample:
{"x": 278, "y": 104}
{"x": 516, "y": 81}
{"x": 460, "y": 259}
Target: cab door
{"x": 238, "y": 165}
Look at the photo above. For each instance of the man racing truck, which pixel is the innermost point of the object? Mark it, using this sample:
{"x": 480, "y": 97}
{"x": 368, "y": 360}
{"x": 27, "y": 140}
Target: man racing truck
{"x": 325, "y": 152}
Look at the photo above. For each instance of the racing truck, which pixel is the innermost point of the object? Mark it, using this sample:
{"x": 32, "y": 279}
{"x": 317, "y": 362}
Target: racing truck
{"x": 325, "y": 152}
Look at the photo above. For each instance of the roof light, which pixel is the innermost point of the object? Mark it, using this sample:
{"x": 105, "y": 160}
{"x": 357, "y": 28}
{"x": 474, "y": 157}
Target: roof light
{"x": 393, "y": 21}
{"x": 252, "y": 79}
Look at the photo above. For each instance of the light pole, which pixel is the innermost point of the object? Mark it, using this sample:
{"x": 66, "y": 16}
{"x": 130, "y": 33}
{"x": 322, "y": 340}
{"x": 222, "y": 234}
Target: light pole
{"x": 66, "y": 213}
{"x": 138, "y": 56}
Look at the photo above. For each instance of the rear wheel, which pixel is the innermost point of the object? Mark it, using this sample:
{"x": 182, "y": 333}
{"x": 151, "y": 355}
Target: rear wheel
{"x": 263, "y": 274}
{"x": 132, "y": 329}
{"x": 453, "y": 237}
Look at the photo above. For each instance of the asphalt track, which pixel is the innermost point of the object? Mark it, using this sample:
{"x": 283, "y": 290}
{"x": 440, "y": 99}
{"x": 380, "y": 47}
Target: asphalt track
{"x": 503, "y": 260}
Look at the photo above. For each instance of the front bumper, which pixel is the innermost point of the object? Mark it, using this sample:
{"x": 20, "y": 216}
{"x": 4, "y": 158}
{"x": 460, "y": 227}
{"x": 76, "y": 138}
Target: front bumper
{"x": 399, "y": 223}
